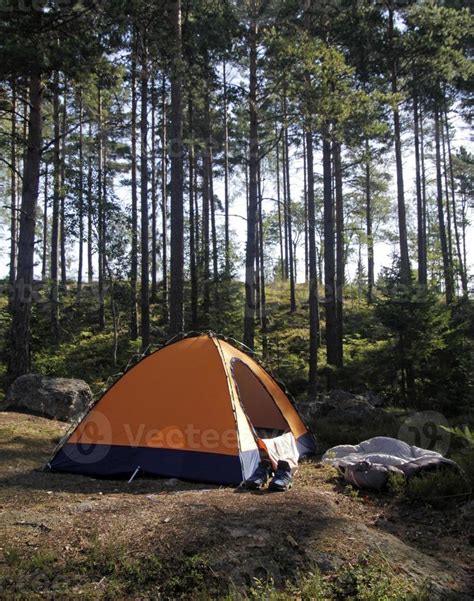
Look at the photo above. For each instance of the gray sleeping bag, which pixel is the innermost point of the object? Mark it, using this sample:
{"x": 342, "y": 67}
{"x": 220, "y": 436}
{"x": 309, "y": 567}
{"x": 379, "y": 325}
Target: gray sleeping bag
{"x": 368, "y": 464}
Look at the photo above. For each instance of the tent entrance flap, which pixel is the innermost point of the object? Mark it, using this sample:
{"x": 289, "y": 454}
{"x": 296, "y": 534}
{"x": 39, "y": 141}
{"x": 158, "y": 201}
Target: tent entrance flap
{"x": 258, "y": 404}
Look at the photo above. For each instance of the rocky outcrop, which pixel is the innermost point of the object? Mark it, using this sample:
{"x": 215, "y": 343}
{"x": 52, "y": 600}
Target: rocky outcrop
{"x": 54, "y": 398}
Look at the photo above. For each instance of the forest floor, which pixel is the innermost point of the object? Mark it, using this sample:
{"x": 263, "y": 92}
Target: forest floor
{"x": 64, "y": 536}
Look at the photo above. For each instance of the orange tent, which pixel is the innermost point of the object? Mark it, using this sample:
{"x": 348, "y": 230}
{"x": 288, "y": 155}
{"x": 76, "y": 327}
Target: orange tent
{"x": 194, "y": 410}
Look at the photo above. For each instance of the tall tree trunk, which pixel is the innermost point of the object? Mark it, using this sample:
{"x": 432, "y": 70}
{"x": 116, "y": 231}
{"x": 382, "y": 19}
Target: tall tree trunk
{"x": 289, "y": 212}
{"x": 263, "y": 293}
{"x": 62, "y": 221}
{"x": 90, "y": 210}
{"x": 226, "y": 175}
{"x": 462, "y": 263}
{"x": 134, "y": 195}
{"x": 20, "y": 356}
{"x": 340, "y": 258}
{"x": 369, "y": 222}
{"x": 13, "y": 192}
{"x": 329, "y": 255}
{"x": 154, "y": 199}
{"x": 279, "y": 203}
{"x": 249, "y": 318}
{"x": 442, "y": 227}
{"x": 206, "y": 238}
{"x": 145, "y": 271}
{"x": 44, "y": 266}
{"x": 164, "y": 201}
{"x": 423, "y": 189}
{"x": 192, "y": 222}
{"x": 286, "y": 270}
{"x": 177, "y": 225}
{"x": 448, "y": 200}
{"x": 212, "y": 208}
{"x": 405, "y": 271}
{"x": 305, "y": 196}
{"x": 101, "y": 184}
{"x": 54, "y": 293}
{"x": 81, "y": 197}
{"x": 313, "y": 274}
{"x": 421, "y": 237}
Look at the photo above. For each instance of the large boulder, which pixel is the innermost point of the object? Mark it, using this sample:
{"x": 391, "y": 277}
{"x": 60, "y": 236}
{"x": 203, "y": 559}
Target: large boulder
{"x": 54, "y": 398}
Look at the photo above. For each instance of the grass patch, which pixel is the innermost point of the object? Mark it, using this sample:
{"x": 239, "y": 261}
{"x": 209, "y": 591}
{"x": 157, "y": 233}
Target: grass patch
{"x": 369, "y": 578}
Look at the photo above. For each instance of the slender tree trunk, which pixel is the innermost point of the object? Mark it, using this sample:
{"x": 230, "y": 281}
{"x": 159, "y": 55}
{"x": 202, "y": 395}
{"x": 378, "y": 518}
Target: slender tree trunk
{"x": 285, "y": 214}
{"x": 192, "y": 222}
{"x": 313, "y": 273}
{"x": 340, "y": 258}
{"x": 62, "y": 221}
{"x": 211, "y": 200}
{"x": 422, "y": 264}
{"x": 402, "y": 221}
{"x": 329, "y": 256}
{"x": 370, "y": 233}
{"x": 100, "y": 211}
{"x": 154, "y": 200}
{"x": 54, "y": 293}
{"x": 20, "y": 356}
{"x": 462, "y": 263}
{"x": 249, "y": 318}
{"x": 226, "y": 175}
{"x": 134, "y": 195}
{"x": 446, "y": 189}
{"x": 289, "y": 213}
{"x": 145, "y": 271}
{"x": 81, "y": 197}
{"x": 279, "y": 202}
{"x": 44, "y": 266}
{"x": 423, "y": 190}
{"x": 177, "y": 225}
{"x": 164, "y": 201}
{"x": 305, "y": 196}
{"x": 90, "y": 211}
{"x": 13, "y": 193}
{"x": 442, "y": 226}
{"x": 263, "y": 293}
{"x": 206, "y": 238}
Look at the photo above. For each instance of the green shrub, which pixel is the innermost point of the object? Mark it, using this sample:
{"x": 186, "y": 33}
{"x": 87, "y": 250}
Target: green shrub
{"x": 439, "y": 489}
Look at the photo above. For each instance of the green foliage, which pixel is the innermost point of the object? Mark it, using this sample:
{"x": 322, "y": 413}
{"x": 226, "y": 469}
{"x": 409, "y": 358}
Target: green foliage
{"x": 370, "y": 578}
{"x": 439, "y": 489}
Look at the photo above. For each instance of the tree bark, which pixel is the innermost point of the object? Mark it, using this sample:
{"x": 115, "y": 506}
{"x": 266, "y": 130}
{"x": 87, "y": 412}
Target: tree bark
{"x": 462, "y": 263}
{"x": 313, "y": 273}
{"x": 226, "y": 176}
{"x": 177, "y": 225}
{"x": 249, "y": 317}
{"x": 62, "y": 221}
{"x": 442, "y": 227}
{"x": 81, "y": 197}
{"x": 192, "y": 222}
{"x": 101, "y": 182}
{"x": 90, "y": 210}
{"x": 154, "y": 199}
{"x": 44, "y": 266}
{"x": 134, "y": 195}
{"x": 340, "y": 258}
{"x": 405, "y": 271}
{"x": 289, "y": 213}
{"x": 329, "y": 255}
{"x": 279, "y": 203}
{"x": 421, "y": 238}
{"x": 54, "y": 293}
{"x": 20, "y": 356}
{"x": 164, "y": 202}
{"x": 145, "y": 271}
{"x": 370, "y": 233}
{"x": 13, "y": 192}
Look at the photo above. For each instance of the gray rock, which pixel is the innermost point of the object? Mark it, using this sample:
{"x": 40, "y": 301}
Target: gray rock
{"x": 344, "y": 407}
{"x": 53, "y": 398}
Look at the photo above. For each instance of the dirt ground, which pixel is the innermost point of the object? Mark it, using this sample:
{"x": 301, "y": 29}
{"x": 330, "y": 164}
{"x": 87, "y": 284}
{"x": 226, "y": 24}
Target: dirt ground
{"x": 246, "y": 536}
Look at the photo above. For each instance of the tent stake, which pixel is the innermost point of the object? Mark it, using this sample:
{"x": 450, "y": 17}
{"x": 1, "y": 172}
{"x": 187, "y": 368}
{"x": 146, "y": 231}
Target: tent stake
{"x": 134, "y": 474}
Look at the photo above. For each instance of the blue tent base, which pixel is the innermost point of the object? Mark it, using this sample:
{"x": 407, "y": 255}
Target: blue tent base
{"x": 114, "y": 460}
